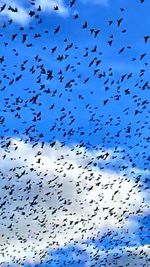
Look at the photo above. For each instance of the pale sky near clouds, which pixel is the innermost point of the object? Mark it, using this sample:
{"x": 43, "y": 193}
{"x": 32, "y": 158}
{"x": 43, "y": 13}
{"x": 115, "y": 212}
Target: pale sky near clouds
{"x": 98, "y": 2}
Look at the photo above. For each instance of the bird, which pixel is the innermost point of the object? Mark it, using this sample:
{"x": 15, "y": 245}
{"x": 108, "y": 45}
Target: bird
{"x": 119, "y": 21}
{"x": 146, "y": 38}
{"x": 57, "y": 29}
{"x": 56, "y": 8}
{"x": 14, "y": 10}
{"x": 24, "y": 37}
{"x": 76, "y": 16}
{"x": 110, "y": 22}
{"x": 72, "y": 2}
{"x": 84, "y": 26}
{"x": 2, "y": 8}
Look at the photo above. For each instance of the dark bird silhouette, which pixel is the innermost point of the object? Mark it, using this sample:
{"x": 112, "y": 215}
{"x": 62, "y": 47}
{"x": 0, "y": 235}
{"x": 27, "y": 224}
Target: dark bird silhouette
{"x": 146, "y": 38}
{"x": 72, "y": 2}
{"x": 14, "y": 10}
{"x": 2, "y": 8}
{"x": 24, "y": 38}
{"x": 57, "y": 29}
{"x": 119, "y": 21}
{"x": 56, "y": 8}
{"x": 84, "y": 26}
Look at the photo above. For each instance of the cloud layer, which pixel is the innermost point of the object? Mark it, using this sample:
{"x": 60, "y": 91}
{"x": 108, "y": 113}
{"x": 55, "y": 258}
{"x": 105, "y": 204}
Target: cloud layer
{"x": 53, "y": 195}
{"x": 23, "y": 9}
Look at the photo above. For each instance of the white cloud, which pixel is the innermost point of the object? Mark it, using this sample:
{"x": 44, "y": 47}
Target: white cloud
{"x": 69, "y": 187}
{"x": 47, "y": 5}
{"x": 125, "y": 256}
{"x": 22, "y": 15}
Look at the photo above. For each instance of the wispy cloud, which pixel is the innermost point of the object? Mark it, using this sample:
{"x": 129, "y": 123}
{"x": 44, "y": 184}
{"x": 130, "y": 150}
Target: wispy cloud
{"x": 23, "y": 9}
{"x": 48, "y": 6}
{"x": 125, "y": 256}
{"x": 69, "y": 190}
{"x": 21, "y": 16}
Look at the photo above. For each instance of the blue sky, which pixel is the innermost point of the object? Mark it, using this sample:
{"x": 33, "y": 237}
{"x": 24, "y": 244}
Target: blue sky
{"x": 96, "y": 101}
